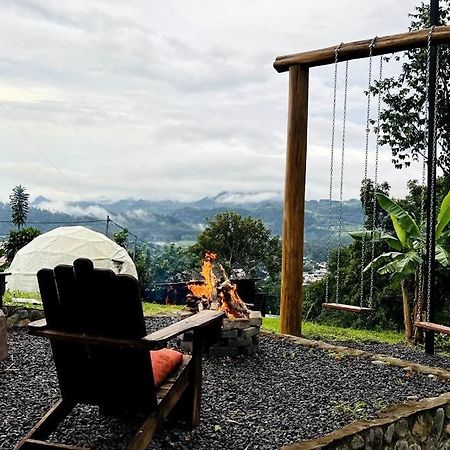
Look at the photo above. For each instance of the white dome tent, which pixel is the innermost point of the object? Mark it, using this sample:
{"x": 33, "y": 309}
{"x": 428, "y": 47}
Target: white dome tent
{"x": 64, "y": 245}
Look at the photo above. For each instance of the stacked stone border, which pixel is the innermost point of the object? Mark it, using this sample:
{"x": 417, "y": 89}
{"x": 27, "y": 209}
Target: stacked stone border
{"x": 412, "y": 425}
{"x": 20, "y": 317}
{"x": 238, "y": 337}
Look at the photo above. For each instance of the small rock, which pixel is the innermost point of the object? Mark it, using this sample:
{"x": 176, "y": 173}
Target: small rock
{"x": 376, "y": 362}
{"x": 422, "y": 427}
{"x": 432, "y": 377}
{"x": 12, "y": 320}
{"x": 447, "y": 411}
{"x": 401, "y": 445}
{"x": 401, "y": 428}
{"x": 22, "y": 314}
{"x": 438, "y": 423}
{"x": 447, "y": 429}
{"x": 36, "y": 315}
{"x": 389, "y": 434}
{"x": 357, "y": 442}
{"x": 412, "y": 397}
{"x": 414, "y": 447}
{"x": 342, "y": 447}
{"x": 22, "y": 323}
{"x": 377, "y": 438}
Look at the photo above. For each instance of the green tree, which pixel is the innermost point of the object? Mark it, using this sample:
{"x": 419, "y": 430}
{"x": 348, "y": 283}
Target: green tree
{"x": 19, "y": 203}
{"x": 172, "y": 264}
{"x": 403, "y": 262}
{"x": 368, "y": 196}
{"x": 142, "y": 261}
{"x": 240, "y": 242}
{"x": 17, "y": 239}
{"x": 403, "y": 124}
{"x": 121, "y": 238}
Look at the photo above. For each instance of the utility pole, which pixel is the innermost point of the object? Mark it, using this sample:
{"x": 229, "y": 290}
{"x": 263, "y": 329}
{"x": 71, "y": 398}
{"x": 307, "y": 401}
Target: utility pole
{"x": 107, "y": 226}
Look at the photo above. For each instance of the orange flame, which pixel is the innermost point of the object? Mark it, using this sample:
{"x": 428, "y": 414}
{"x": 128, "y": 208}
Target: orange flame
{"x": 228, "y": 299}
{"x": 207, "y": 288}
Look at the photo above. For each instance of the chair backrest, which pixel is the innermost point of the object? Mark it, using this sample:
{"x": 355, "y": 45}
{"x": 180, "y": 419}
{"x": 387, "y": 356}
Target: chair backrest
{"x": 81, "y": 299}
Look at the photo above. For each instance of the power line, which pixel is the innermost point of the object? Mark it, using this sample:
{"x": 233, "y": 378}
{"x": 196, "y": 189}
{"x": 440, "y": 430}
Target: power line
{"x": 76, "y": 222}
{"x": 132, "y": 234}
{"x": 35, "y": 146}
{"x": 57, "y": 222}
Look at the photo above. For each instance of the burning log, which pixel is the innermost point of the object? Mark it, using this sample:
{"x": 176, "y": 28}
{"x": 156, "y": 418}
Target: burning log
{"x": 214, "y": 293}
{"x": 230, "y": 302}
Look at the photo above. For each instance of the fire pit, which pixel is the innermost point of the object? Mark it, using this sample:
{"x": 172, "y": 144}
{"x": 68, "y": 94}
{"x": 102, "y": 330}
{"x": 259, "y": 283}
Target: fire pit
{"x": 240, "y": 329}
{"x": 238, "y": 337}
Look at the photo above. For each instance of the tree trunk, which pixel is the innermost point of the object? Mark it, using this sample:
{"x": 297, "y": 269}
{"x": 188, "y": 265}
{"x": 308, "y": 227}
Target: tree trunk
{"x": 406, "y": 312}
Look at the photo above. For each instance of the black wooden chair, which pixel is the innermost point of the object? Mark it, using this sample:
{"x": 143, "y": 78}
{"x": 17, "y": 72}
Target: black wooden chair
{"x": 96, "y": 327}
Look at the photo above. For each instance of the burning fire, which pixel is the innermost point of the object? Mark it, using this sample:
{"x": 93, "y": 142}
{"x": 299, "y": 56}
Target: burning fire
{"x": 206, "y": 289}
{"x": 214, "y": 293}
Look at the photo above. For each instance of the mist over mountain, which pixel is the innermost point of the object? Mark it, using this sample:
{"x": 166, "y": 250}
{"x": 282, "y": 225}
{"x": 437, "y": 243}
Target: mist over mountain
{"x": 175, "y": 221}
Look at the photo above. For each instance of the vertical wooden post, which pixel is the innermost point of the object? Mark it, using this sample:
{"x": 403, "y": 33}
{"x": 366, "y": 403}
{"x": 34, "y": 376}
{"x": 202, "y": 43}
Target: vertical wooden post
{"x": 294, "y": 202}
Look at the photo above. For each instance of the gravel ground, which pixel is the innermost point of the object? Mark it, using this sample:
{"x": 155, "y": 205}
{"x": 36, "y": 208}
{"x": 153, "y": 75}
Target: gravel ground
{"x": 284, "y": 394}
{"x": 402, "y": 351}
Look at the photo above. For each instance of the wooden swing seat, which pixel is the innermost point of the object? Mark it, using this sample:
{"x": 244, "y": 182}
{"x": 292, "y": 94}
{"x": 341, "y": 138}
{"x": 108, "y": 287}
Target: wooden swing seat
{"x": 348, "y": 308}
{"x": 430, "y": 326}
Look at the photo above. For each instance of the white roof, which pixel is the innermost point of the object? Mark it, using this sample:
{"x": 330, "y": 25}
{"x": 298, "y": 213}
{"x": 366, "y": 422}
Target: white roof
{"x": 64, "y": 245}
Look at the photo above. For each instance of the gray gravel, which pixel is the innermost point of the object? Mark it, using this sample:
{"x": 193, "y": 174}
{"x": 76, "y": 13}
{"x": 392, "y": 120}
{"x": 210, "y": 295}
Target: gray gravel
{"x": 403, "y": 351}
{"x": 284, "y": 394}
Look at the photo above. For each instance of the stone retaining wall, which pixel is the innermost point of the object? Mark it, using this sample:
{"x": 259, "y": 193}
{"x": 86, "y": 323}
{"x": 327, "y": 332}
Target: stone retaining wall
{"x": 424, "y": 424}
{"x": 18, "y": 316}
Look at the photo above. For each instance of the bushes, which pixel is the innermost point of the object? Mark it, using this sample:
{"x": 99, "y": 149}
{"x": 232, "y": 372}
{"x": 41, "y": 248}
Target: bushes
{"x": 17, "y": 239}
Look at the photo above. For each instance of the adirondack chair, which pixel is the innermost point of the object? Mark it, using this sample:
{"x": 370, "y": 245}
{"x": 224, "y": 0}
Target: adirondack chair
{"x": 96, "y": 327}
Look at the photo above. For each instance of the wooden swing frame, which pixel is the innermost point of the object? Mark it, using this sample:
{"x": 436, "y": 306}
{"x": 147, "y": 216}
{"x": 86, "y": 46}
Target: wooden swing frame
{"x": 298, "y": 66}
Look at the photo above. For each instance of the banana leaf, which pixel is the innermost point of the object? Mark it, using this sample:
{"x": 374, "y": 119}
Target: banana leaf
{"x": 444, "y": 216}
{"x": 405, "y": 220}
{"x": 442, "y": 256}
{"x": 401, "y": 266}
{"x": 377, "y": 236}
{"x": 385, "y": 257}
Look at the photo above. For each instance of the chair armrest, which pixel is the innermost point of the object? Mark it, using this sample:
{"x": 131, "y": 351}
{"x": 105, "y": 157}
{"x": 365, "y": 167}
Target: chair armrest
{"x": 150, "y": 342}
{"x": 200, "y": 320}
{"x": 39, "y": 328}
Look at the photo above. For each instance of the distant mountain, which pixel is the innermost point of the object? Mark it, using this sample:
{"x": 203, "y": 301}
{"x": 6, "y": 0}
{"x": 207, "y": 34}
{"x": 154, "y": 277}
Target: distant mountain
{"x": 175, "y": 221}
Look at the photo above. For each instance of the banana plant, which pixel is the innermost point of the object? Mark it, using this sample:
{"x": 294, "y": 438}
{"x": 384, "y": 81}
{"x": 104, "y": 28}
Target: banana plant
{"x": 407, "y": 246}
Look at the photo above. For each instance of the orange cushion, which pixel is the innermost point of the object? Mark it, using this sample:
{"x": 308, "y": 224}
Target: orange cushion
{"x": 164, "y": 362}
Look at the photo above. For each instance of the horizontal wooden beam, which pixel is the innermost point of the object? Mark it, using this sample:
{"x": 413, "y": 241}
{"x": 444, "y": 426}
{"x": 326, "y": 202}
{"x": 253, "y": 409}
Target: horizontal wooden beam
{"x": 360, "y": 49}
{"x": 348, "y": 308}
{"x": 432, "y": 327}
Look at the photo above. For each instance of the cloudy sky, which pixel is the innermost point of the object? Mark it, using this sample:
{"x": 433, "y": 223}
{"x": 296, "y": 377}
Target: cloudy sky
{"x": 174, "y": 99}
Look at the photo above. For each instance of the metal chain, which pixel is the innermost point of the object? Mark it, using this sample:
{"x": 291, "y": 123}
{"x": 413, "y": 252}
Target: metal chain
{"x": 330, "y": 203}
{"x": 375, "y": 183}
{"x": 424, "y": 187}
{"x": 432, "y": 206}
{"x": 341, "y": 187}
{"x": 366, "y": 160}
